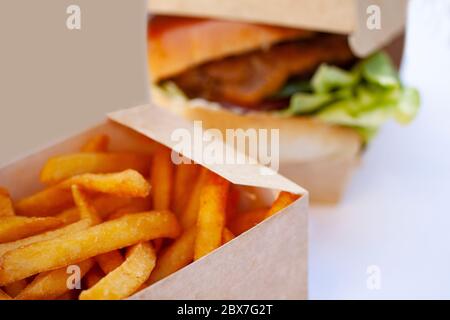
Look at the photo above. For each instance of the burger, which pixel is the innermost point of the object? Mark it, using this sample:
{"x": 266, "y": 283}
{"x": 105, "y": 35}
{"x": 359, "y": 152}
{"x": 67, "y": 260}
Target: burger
{"x": 327, "y": 103}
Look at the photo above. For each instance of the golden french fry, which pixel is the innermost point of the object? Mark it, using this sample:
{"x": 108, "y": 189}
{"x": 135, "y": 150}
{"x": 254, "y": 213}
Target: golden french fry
{"x": 69, "y": 216}
{"x": 86, "y": 210}
{"x": 136, "y": 206}
{"x": 284, "y": 199}
{"x": 109, "y": 261}
{"x": 13, "y": 289}
{"x": 15, "y": 227}
{"x": 49, "y": 235}
{"x": 45, "y": 203}
{"x": 127, "y": 278}
{"x": 227, "y": 236}
{"x": 52, "y": 284}
{"x": 128, "y": 183}
{"x": 189, "y": 214}
{"x": 98, "y": 143}
{"x": 176, "y": 256}
{"x": 211, "y": 215}
{"x": 93, "y": 276}
{"x": 185, "y": 174}
{"x": 4, "y": 296}
{"x": 161, "y": 178}
{"x": 60, "y": 168}
{"x": 108, "y": 236}
{"x": 247, "y": 220}
{"x": 69, "y": 295}
{"x": 6, "y": 206}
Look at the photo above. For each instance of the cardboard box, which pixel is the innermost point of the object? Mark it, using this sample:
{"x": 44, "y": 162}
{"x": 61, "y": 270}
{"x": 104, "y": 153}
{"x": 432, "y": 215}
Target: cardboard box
{"x": 267, "y": 262}
{"x": 325, "y": 176}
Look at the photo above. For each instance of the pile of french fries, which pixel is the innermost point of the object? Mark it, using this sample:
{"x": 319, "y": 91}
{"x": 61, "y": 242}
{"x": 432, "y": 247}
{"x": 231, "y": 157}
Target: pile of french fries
{"x": 110, "y": 224}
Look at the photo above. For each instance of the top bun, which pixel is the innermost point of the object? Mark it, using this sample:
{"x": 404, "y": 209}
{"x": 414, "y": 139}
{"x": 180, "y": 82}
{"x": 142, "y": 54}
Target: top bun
{"x": 179, "y": 43}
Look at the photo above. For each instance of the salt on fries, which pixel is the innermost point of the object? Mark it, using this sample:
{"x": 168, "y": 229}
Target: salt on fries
{"x": 124, "y": 220}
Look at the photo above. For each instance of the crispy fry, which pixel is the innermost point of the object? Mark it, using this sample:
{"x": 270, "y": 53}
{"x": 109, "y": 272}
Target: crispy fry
{"x": 138, "y": 205}
{"x": 108, "y": 236}
{"x": 178, "y": 255}
{"x": 109, "y": 261}
{"x": 52, "y": 284}
{"x": 15, "y": 227}
{"x": 189, "y": 215}
{"x": 69, "y": 295}
{"x": 93, "y": 277}
{"x": 49, "y": 235}
{"x": 161, "y": 178}
{"x": 126, "y": 279}
{"x": 227, "y": 235}
{"x": 13, "y": 289}
{"x": 247, "y": 220}
{"x": 284, "y": 199}
{"x": 185, "y": 174}
{"x": 86, "y": 210}
{"x": 211, "y": 215}
{"x": 98, "y": 143}
{"x": 60, "y": 168}
{"x": 45, "y": 203}
{"x": 69, "y": 216}
{"x": 128, "y": 183}
{"x": 4, "y": 296}
{"x": 6, "y": 206}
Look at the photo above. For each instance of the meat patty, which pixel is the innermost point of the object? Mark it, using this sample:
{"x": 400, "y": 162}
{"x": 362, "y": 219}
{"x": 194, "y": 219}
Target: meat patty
{"x": 246, "y": 80}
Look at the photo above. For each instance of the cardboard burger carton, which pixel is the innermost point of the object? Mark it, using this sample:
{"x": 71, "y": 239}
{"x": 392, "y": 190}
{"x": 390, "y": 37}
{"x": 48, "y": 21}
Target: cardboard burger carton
{"x": 268, "y": 261}
{"x": 313, "y": 69}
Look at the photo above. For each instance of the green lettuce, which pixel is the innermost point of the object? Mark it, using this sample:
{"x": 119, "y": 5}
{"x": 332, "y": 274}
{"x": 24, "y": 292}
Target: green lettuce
{"x": 363, "y": 98}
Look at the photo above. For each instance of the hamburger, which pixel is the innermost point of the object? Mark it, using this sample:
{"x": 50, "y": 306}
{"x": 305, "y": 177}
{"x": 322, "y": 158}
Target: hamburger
{"x": 326, "y": 102}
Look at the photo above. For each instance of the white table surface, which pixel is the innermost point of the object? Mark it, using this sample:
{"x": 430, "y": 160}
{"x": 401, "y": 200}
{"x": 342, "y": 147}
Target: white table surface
{"x": 396, "y": 212}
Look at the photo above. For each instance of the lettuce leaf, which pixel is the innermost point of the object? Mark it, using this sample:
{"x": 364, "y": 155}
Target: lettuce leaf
{"x": 363, "y": 98}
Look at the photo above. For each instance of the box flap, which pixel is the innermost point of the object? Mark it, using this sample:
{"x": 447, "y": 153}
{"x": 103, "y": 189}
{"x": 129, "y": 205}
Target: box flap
{"x": 336, "y": 16}
{"x": 160, "y": 125}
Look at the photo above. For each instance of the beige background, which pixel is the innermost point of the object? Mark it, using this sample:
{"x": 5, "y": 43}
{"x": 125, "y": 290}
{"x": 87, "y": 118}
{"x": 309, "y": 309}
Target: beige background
{"x": 54, "y": 81}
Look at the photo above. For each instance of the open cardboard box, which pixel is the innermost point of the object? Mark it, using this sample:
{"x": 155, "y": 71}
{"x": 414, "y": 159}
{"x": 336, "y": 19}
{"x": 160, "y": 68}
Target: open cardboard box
{"x": 321, "y": 158}
{"x": 267, "y": 262}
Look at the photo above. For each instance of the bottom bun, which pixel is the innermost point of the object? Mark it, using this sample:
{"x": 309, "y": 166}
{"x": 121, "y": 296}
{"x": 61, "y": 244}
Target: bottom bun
{"x": 317, "y": 156}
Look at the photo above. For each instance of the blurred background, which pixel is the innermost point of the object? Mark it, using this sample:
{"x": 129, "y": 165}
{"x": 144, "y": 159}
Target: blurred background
{"x": 392, "y": 227}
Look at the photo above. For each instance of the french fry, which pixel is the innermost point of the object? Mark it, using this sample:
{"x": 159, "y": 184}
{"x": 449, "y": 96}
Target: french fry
{"x": 161, "y": 178}
{"x": 136, "y": 206}
{"x": 109, "y": 261}
{"x": 127, "y": 278}
{"x": 93, "y": 277}
{"x": 69, "y": 216}
{"x": 284, "y": 199}
{"x": 227, "y": 236}
{"x": 4, "y": 296}
{"x": 185, "y": 174}
{"x": 69, "y": 295}
{"x": 61, "y": 168}
{"x": 98, "y": 143}
{"x": 85, "y": 210}
{"x": 108, "y": 236}
{"x": 189, "y": 214}
{"x": 15, "y": 227}
{"x": 6, "y": 206}
{"x": 176, "y": 256}
{"x": 247, "y": 220}
{"x": 13, "y": 289}
{"x": 128, "y": 183}
{"x": 48, "y": 202}
{"x": 52, "y": 284}
{"x": 49, "y": 235}
{"x": 211, "y": 215}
